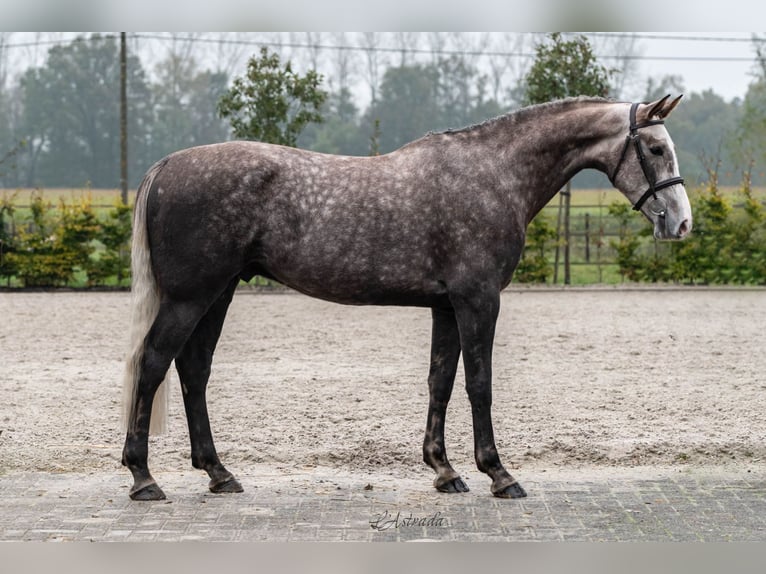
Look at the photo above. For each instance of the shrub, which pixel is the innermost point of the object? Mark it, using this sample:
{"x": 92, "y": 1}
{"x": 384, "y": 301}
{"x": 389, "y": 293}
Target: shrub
{"x": 7, "y": 237}
{"x": 628, "y": 244}
{"x": 52, "y": 245}
{"x": 534, "y": 266}
{"x": 726, "y": 246}
{"x": 40, "y": 257}
{"x": 114, "y": 259}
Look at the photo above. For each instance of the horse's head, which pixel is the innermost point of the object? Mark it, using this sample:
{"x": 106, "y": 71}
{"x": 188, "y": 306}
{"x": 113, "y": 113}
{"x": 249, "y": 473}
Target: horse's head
{"x": 646, "y": 170}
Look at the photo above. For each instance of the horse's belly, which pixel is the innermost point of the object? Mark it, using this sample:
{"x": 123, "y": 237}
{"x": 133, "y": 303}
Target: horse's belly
{"x": 371, "y": 284}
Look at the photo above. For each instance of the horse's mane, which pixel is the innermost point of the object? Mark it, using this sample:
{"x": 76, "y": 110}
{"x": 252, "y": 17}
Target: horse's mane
{"x": 526, "y": 113}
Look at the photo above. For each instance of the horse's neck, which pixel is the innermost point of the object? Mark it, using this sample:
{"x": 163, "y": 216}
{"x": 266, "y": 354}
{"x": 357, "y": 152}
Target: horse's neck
{"x": 553, "y": 147}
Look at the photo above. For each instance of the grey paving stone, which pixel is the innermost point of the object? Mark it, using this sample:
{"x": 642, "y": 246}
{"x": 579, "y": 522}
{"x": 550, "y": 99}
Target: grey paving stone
{"x": 719, "y": 506}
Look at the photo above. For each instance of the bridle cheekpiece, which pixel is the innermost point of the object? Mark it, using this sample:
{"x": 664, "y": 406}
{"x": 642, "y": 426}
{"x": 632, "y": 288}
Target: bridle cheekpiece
{"x": 632, "y": 137}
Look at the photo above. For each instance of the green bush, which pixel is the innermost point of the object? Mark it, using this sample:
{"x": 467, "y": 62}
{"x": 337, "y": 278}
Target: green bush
{"x": 114, "y": 235}
{"x": 76, "y": 245}
{"x": 726, "y": 246}
{"x": 628, "y": 244}
{"x": 748, "y": 240}
{"x": 47, "y": 246}
{"x": 66, "y": 245}
{"x": 534, "y": 266}
{"x": 7, "y": 237}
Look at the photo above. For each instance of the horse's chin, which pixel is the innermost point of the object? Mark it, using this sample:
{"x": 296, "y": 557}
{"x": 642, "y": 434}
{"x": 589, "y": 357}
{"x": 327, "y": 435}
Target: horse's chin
{"x": 661, "y": 234}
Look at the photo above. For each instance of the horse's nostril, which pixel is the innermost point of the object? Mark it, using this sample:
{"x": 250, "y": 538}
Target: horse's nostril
{"x": 684, "y": 228}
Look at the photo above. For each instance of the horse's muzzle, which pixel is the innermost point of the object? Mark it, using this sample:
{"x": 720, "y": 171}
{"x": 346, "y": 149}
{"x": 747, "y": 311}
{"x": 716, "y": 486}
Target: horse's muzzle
{"x": 665, "y": 230}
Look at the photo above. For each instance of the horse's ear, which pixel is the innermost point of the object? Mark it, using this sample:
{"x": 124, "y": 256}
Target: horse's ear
{"x": 651, "y": 110}
{"x": 657, "y": 109}
{"x": 665, "y": 111}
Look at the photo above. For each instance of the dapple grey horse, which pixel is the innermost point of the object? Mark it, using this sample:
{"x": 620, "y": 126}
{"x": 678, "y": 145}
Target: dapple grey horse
{"x": 439, "y": 223}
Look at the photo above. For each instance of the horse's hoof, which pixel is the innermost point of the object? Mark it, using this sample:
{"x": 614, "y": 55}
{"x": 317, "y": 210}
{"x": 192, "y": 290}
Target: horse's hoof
{"x": 451, "y": 486}
{"x": 513, "y": 491}
{"x": 148, "y": 492}
{"x": 229, "y": 485}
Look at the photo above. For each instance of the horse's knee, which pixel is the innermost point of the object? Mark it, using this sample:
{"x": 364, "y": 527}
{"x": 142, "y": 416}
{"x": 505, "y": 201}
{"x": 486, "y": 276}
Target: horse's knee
{"x": 480, "y": 397}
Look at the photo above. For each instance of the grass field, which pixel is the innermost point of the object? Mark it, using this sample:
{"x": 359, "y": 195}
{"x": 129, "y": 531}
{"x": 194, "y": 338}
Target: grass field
{"x": 595, "y": 197}
{"x": 98, "y": 197}
{"x": 106, "y": 197}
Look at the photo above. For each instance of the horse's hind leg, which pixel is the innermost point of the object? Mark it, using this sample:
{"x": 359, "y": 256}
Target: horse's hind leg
{"x": 193, "y": 365}
{"x": 445, "y": 352}
{"x": 174, "y": 323}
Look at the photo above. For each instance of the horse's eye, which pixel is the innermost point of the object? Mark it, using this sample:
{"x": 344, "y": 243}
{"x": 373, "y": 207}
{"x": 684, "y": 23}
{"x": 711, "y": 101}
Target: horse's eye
{"x": 656, "y": 150}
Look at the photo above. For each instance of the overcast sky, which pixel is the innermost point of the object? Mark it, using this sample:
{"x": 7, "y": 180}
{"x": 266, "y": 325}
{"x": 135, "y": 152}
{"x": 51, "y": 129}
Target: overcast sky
{"x": 721, "y": 61}
{"x": 704, "y": 65}
{"x": 701, "y": 63}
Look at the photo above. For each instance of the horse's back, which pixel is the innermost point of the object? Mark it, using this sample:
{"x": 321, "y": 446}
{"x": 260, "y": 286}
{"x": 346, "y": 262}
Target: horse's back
{"x": 349, "y": 229}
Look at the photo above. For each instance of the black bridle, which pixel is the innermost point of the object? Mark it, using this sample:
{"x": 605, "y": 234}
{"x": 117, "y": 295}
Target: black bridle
{"x": 632, "y": 137}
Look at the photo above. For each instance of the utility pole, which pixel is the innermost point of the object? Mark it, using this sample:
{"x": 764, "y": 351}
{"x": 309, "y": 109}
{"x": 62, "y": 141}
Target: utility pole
{"x": 567, "y": 233}
{"x": 123, "y": 119}
{"x": 558, "y": 239}
{"x": 565, "y": 205}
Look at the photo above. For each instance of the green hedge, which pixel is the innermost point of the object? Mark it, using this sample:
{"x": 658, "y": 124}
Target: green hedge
{"x": 726, "y": 246}
{"x": 69, "y": 244}
{"x": 77, "y": 245}
{"x": 535, "y": 265}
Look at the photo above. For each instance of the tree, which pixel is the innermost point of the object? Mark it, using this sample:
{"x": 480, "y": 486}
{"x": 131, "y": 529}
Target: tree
{"x": 704, "y": 128}
{"x": 749, "y": 143}
{"x": 370, "y": 43}
{"x": 505, "y": 71}
{"x": 339, "y": 132}
{"x": 406, "y": 42}
{"x": 622, "y": 50}
{"x": 184, "y": 108}
{"x": 344, "y": 64}
{"x": 11, "y": 144}
{"x": 564, "y": 69}
{"x": 70, "y": 115}
{"x": 419, "y": 98}
{"x": 667, "y": 84}
{"x": 407, "y": 106}
{"x": 272, "y": 103}
{"x": 462, "y": 93}
{"x": 6, "y": 133}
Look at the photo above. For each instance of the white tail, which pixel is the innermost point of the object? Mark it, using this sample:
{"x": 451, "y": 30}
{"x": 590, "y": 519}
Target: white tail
{"x": 145, "y": 304}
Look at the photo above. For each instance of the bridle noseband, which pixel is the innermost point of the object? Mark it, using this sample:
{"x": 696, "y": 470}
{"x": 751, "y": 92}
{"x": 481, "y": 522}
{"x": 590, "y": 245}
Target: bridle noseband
{"x": 654, "y": 186}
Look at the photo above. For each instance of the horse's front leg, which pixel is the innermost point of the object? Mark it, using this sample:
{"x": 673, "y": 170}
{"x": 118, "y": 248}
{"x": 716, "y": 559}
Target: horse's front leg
{"x": 476, "y": 314}
{"x": 445, "y": 352}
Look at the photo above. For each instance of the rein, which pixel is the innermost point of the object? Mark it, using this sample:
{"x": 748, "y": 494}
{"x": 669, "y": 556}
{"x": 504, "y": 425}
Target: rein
{"x": 632, "y": 137}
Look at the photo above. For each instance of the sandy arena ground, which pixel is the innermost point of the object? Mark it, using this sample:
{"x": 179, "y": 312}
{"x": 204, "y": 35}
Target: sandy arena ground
{"x": 614, "y": 378}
